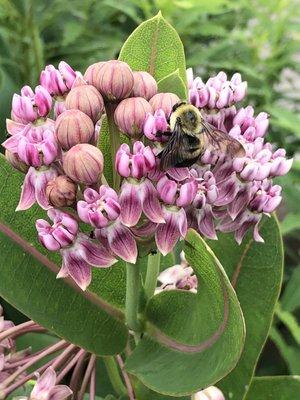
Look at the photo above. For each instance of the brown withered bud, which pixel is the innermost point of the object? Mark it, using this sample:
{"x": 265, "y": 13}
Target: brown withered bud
{"x": 91, "y": 73}
{"x": 87, "y": 99}
{"x": 114, "y": 80}
{"x": 165, "y": 101}
{"x": 130, "y": 116}
{"x": 73, "y": 127}
{"x": 61, "y": 192}
{"x": 83, "y": 163}
{"x": 15, "y": 162}
{"x": 144, "y": 85}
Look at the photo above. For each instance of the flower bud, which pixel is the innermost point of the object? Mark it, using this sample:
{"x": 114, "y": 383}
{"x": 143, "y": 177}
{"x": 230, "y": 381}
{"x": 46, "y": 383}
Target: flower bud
{"x": 165, "y": 101}
{"x": 144, "y": 85}
{"x": 114, "y": 80}
{"x": 86, "y": 99}
{"x": 91, "y": 73}
{"x": 130, "y": 116}
{"x": 73, "y": 127}
{"x": 83, "y": 163}
{"x": 16, "y": 162}
{"x": 61, "y": 191}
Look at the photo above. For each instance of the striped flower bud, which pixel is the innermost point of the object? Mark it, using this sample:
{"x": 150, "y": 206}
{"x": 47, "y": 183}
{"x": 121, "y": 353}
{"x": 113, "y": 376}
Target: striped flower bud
{"x": 130, "y": 116}
{"x": 164, "y": 101}
{"x": 144, "y": 85}
{"x": 73, "y": 127}
{"x": 83, "y": 163}
{"x": 61, "y": 191}
{"x": 114, "y": 80}
{"x": 86, "y": 99}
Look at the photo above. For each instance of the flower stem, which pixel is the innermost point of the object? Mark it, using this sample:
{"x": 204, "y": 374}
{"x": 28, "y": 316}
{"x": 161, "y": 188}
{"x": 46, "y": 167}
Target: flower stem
{"x": 132, "y": 297}
{"x": 87, "y": 376}
{"x": 153, "y": 267}
{"x": 126, "y": 378}
{"x": 114, "y": 135}
{"x": 114, "y": 376}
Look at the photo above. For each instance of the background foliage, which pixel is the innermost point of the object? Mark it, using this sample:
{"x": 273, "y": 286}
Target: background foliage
{"x": 258, "y": 38}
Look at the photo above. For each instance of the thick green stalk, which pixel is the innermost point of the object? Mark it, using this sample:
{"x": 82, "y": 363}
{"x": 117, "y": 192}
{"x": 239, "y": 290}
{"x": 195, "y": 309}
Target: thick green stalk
{"x": 114, "y": 135}
{"x": 114, "y": 375}
{"x": 152, "y": 274}
{"x": 132, "y": 297}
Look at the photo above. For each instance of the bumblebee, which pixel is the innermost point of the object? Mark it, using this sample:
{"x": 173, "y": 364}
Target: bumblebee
{"x": 191, "y": 136}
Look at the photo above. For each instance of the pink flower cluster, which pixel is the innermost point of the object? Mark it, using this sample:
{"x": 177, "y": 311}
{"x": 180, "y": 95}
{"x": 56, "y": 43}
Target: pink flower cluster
{"x": 64, "y": 167}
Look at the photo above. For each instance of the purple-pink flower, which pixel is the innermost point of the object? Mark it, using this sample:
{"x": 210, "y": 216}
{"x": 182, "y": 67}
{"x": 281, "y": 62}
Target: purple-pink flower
{"x": 79, "y": 252}
{"x": 46, "y": 388}
{"x": 58, "y": 81}
{"x": 31, "y": 105}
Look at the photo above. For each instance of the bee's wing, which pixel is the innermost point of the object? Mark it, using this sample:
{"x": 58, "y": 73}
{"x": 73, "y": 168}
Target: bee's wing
{"x": 174, "y": 153}
{"x": 214, "y": 139}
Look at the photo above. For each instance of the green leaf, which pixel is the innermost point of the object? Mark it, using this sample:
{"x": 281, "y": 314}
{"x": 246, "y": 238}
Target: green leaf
{"x": 173, "y": 83}
{"x": 285, "y": 119}
{"x": 290, "y": 354}
{"x": 290, "y": 300}
{"x": 290, "y": 322}
{"x": 290, "y": 223}
{"x": 28, "y": 281}
{"x": 255, "y": 271}
{"x": 155, "y": 47}
{"x": 274, "y": 387}
{"x": 184, "y": 349}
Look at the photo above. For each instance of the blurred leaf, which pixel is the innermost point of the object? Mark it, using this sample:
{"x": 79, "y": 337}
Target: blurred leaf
{"x": 183, "y": 350}
{"x": 285, "y": 119}
{"x": 274, "y": 387}
{"x": 290, "y": 300}
{"x": 289, "y": 321}
{"x": 290, "y": 354}
{"x": 255, "y": 270}
{"x": 290, "y": 223}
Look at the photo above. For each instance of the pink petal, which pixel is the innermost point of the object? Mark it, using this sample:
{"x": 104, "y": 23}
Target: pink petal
{"x": 78, "y": 268}
{"x": 60, "y": 392}
{"x": 94, "y": 253}
{"x": 122, "y": 242}
{"x": 44, "y": 384}
{"x": 130, "y": 204}
{"x": 27, "y": 198}
{"x": 150, "y": 203}
{"x": 42, "y": 178}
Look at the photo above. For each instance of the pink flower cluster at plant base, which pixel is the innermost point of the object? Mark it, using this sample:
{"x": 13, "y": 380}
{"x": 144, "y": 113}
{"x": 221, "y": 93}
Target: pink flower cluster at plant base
{"x": 53, "y": 131}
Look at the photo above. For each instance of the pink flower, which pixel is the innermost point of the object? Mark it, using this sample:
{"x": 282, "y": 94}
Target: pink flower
{"x": 59, "y": 81}
{"x": 29, "y": 106}
{"x": 99, "y": 208}
{"x": 78, "y": 251}
{"x": 46, "y": 389}
{"x": 34, "y": 188}
{"x": 210, "y": 393}
{"x": 156, "y": 127}
{"x": 180, "y": 276}
{"x": 136, "y": 164}
{"x": 34, "y": 148}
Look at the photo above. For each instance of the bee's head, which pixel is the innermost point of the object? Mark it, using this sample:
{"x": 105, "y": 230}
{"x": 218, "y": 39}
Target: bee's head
{"x": 187, "y": 116}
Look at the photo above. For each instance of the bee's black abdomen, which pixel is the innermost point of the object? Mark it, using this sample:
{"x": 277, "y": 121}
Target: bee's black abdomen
{"x": 187, "y": 163}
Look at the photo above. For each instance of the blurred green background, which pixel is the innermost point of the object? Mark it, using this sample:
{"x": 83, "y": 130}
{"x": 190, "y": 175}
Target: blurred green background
{"x": 259, "y": 39}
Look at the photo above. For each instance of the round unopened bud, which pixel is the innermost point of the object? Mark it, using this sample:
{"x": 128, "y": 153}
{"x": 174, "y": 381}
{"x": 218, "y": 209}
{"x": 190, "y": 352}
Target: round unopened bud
{"x": 87, "y": 99}
{"x": 130, "y": 116}
{"x": 73, "y": 127}
{"x": 16, "y": 162}
{"x": 144, "y": 85}
{"x": 91, "y": 73}
{"x": 114, "y": 80}
{"x": 164, "y": 101}
{"x": 83, "y": 163}
{"x": 61, "y": 192}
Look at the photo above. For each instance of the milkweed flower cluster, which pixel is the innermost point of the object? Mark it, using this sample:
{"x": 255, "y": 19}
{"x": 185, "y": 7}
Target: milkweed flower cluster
{"x": 53, "y": 140}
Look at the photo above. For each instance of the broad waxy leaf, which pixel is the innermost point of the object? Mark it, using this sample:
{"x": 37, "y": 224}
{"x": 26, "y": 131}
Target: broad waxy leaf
{"x": 155, "y": 47}
{"x": 173, "y": 83}
{"x": 184, "y": 349}
{"x": 255, "y": 271}
{"x": 290, "y": 300}
{"x": 274, "y": 387}
{"x": 28, "y": 281}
